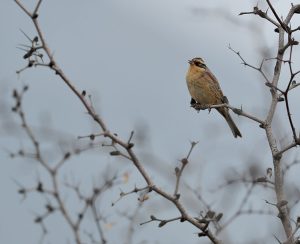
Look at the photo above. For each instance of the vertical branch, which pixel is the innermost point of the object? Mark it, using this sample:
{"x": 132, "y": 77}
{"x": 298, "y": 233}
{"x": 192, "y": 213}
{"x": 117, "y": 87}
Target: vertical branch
{"x": 99, "y": 228}
{"x": 63, "y": 209}
{"x": 278, "y": 175}
{"x": 286, "y": 92}
{"x": 282, "y": 28}
{"x": 40, "y": 159}
{"x": 178, "y": 172}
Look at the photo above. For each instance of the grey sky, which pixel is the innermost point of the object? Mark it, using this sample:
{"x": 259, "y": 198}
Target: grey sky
{"x": 132, "y": 57}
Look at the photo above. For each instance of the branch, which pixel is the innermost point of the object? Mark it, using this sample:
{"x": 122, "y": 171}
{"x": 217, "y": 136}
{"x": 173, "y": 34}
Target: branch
{"x": 259, "y": 69}
{"x": 162, "y": 222}
{"x": 178, "y": 172}
{"x": 128, "y": 147}
{"x": 262, "y": 14}
{"x": 135, "y": 190}
{"x": 237, "y": 111}
{"x": 279, "y": 188}
{"x": 283, "y": 25}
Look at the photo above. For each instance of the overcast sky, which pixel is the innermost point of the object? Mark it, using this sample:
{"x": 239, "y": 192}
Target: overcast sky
{"x": 131, "y": 56}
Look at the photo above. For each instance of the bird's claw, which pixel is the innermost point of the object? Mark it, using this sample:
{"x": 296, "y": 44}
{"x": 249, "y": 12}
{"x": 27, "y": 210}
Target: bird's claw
{"x": 199, "y": 106}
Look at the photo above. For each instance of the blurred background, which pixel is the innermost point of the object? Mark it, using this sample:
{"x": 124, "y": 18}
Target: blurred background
{"x": 131, "y": 57}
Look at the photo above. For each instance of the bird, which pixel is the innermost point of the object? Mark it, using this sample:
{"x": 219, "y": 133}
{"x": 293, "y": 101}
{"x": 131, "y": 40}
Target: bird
{"x": 205, "y": 90}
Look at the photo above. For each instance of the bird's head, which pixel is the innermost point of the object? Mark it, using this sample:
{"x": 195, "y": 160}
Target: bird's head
{"x": 197, "y": 62}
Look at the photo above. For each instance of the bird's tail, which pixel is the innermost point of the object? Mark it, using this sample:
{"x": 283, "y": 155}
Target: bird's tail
{"x": 230, "y": 122}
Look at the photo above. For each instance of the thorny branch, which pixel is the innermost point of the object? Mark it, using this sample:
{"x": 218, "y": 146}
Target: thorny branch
{"x": 276, "y": 93}
{"x": 259, "y": 69}
{"x": 128, "y": 147}
{"x": 55, "y": 193}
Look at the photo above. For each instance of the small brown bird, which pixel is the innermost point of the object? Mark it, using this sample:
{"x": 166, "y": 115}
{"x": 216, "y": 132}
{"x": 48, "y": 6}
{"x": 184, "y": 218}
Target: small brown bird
{"x": 205, "y": 90}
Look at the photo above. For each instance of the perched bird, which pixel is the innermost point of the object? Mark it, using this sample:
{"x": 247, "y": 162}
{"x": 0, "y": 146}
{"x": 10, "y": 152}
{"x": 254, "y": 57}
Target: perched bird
{"x": 205, "y": 90}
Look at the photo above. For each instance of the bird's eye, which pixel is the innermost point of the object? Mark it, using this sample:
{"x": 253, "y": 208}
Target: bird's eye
{"x": 199, "y": 64}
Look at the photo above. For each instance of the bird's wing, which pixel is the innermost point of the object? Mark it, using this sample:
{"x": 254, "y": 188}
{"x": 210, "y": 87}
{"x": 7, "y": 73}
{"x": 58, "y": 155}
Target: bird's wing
{"x": 212, "y": 78}
{"x": 214, "y": 82}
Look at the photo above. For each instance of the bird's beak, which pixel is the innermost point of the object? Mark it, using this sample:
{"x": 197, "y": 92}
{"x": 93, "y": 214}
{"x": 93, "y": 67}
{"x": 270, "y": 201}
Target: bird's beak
{"x": 190, "y": 61}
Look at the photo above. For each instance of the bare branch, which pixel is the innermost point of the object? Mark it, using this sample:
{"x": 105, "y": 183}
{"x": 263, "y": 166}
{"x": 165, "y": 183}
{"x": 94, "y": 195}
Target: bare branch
{"x": 238, "y": 212}
{"x": 162, "y": 222}
{"x": 135, "y": 190}
{"x": 23, "y": 8}
{"x": 259, "y": 69}
{"x": 262, "y": 14}
{"x": 235, "y": 110}
{"x": 178, "y": 172}
{"x": 283, "y": 25}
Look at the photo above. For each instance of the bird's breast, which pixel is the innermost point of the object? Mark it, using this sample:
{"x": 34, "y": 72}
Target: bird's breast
{"x": 199, "y": 87}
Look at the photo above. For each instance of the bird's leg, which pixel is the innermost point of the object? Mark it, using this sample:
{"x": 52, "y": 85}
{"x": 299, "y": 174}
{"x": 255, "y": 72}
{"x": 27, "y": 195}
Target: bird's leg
{"x": 209, "y": 108}
{"x": 225, "y": 99}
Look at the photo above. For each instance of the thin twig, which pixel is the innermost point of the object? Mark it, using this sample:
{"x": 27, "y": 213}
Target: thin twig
{"x": 178, "y": 172}
{"x": 238, "y": 212}
{"x": 259, "y": 69}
